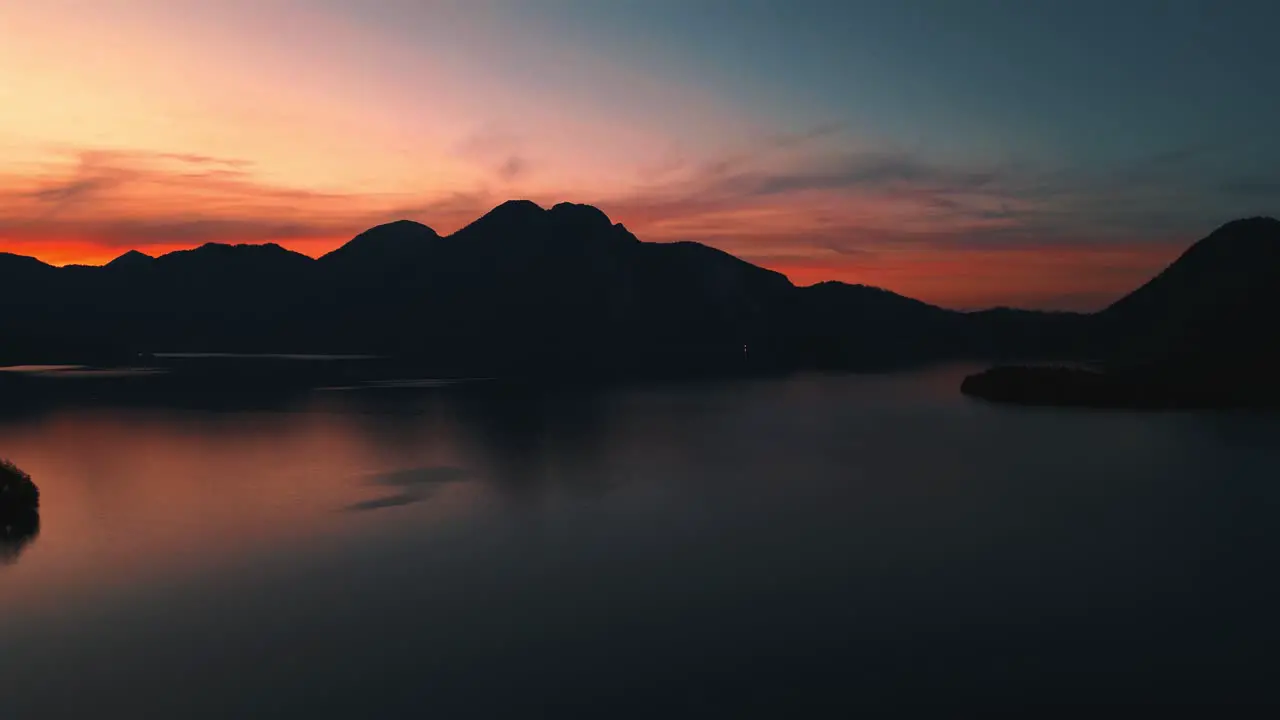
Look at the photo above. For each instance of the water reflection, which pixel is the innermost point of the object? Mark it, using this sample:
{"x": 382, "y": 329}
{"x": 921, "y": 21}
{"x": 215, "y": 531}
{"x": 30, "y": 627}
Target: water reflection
{"x": 152, "y": 489}
{"x": 537, "y": 439}
{"x": 415, "y": 484}
{"x": 390, "y": 501}
{"x": 488, "y": 552}
{"x": 18, "y": 529}
{"x": 521, "y": 440}
{"x": 415, "y": 477}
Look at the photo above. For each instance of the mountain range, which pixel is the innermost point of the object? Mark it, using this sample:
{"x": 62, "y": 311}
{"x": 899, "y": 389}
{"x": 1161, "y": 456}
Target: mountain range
{"x": 525, "y": 288}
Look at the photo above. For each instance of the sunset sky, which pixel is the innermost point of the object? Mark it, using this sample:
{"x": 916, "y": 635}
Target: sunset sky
{"x": 966, "y": 152}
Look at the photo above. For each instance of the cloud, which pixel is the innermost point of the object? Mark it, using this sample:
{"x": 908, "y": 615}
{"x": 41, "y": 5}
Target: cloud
{"x": 804, "y": 201}
{"x": 72, "y": 190}
{"x": 501, "y": 153}
{"x": 858, "y": 170}
{"x": 847, "y": 198}
{"x": 787, "y": 141}
{"x": 120, "y": 199}
{"x": 768, "y": 148}
{"x": 512, "y": 168}
{"x": 1265, "y": 187}
{"x": 1061, "y": 235}
{"x": 202, "y": 159}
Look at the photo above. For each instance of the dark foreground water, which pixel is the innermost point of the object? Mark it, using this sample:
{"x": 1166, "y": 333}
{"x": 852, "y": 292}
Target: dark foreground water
{"x": 744, "y": 548}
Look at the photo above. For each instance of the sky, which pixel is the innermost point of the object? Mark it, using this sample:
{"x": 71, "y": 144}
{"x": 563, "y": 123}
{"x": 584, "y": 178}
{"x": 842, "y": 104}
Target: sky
{"x": 1036, "y": 153}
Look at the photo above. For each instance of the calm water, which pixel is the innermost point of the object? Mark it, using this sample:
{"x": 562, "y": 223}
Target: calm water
{"x": 699, "y": 550}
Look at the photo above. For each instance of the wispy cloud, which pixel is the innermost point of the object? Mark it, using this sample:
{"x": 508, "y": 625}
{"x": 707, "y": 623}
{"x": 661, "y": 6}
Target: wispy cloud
{"x": 502, "y": 153}
{"x": 912, "y": 196}
{"x": 123, "y": 199}
{"x": 806, "y": 203}
{"x": 1059, "y": 235}
{"x": 512, "y": 168}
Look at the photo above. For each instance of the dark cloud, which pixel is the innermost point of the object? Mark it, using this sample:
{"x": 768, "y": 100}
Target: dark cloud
{"x": 500, "y": 150}
{"x": 787, "y": 141}
{"x": 172, "y": 229}
{"x": 513, "y": 167}
{"x": 199, "y": 159}
{"x": 97, "y": 173}
{"x": 1256, "y": 186}
{"x": 201, "y": 230}
{"x": 74, "y": 189}
{"x": 767, "y": 148}
{"x": 858, "y": 170}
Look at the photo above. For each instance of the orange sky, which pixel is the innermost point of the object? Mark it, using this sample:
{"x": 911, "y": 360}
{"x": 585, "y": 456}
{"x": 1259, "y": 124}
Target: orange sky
{"x": 295, "y": 123}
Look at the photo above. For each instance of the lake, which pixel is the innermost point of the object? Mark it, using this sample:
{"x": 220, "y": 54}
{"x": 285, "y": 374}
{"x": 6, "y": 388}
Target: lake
{"x": 740, "y": 548}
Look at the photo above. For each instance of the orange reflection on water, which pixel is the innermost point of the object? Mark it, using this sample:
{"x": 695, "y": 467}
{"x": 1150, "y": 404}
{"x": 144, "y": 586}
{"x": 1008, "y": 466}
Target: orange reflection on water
{"x": 129, "y": 496}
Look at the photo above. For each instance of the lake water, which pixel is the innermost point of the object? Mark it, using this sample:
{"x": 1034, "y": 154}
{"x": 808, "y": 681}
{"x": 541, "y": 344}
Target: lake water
{"x": 736, "y": 548}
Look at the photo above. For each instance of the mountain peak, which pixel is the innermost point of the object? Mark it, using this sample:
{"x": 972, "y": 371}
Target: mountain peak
{"x": 132, "y": 258}
{"x": 227, "y": 255}
{"x": 22, "y": 262}
{"x": 586, "y": 215}
{"x": 1255, "y": 223}
{"x": 513, "y": 211}
{"x": 228, "y": 248}
{"x": 387, "y": 241}
{"x": 1219, "y": 286}
{"x": 1249, "y": 245}
{"x": 565, "y": 225}
{"x": 1253, "y": 232}
{"x": 517, "y": 206}
{"x": 401, "y": 226}
{"x": 388, "y": 237}
{"x": 395, "y": 232}
{"x": 512, "y": 216}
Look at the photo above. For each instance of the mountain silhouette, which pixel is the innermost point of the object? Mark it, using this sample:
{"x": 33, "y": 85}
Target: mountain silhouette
{"x": 131, "y": 259}
{"x": 1220, "y": 299}
{"x": 1201, "y": 333}
{"x": 531, "y": 290}
{"x": 521, "y": 289}
{"x": 380, "y": 246}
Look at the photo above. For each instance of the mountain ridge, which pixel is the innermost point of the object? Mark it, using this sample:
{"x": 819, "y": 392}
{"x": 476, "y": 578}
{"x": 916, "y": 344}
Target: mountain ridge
{"x": 530, "y": 287}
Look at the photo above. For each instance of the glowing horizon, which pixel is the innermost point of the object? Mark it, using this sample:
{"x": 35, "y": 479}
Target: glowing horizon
{"x": 304, "y": 123}
{"x": 926, "y": 274}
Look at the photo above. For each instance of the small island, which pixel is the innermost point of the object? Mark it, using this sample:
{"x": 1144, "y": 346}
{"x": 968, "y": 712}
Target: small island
{"x": 17, "y": 491}
{"x": 19, "y": 511}
{"x": 1146, "y": 388}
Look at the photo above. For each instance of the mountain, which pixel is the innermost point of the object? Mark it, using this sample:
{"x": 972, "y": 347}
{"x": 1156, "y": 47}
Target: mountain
{"x": 1202, "y": 333}
{"x": 524, "y": 285}
{"x": 131, "y": 259}
{"x": 564, "y": 289}
{"x": 1220, "y": 299}
{"x": 19, "y": 266}
{"x": 384, "y": 245}
{"x": 837, "y": 325}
